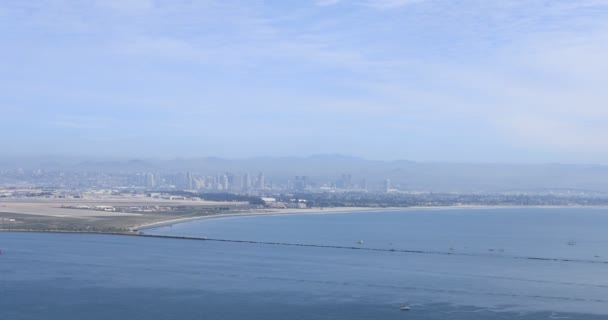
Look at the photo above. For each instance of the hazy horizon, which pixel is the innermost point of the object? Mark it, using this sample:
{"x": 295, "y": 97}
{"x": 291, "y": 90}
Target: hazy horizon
{"x": 335, "y": 156}
{"x": 306, "y": 159}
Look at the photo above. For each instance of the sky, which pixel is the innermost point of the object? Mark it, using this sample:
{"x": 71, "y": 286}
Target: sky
{"x": 512, "y": 81}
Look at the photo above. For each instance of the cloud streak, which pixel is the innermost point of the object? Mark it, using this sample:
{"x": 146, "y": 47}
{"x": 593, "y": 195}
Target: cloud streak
{"x": 506, "y": 76}
{"x": 391, "y": 4}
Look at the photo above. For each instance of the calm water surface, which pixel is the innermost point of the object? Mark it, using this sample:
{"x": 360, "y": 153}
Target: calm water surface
{"x": 470, "y": 264}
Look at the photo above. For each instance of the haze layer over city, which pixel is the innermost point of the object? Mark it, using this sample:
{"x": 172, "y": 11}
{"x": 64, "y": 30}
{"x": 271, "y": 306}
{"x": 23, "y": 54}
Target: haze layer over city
{"x": 312, "y": 159}
{"x": 365, "y": 103}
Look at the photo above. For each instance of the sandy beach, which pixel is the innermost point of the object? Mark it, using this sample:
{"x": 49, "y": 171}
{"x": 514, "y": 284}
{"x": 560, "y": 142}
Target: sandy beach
{"x": 52, "y": 216}
{"x": 337, "y": 210}
{"x": 266, "y": 212}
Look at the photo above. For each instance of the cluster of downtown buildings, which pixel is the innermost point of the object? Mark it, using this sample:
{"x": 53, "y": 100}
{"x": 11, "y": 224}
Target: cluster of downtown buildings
{"x": 256, "y": 183}
{"x": 225, "y": 182}
{"x": 229, "y": 182}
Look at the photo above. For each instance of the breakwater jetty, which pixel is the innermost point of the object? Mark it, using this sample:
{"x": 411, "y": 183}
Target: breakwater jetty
{"x": 364, "y": 248}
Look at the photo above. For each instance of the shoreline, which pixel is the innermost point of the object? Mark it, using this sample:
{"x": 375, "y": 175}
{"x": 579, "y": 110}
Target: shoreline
{"x": 281, "y": 212}
{"x": 342, "y": 210}
{"x": 137, "y": 229}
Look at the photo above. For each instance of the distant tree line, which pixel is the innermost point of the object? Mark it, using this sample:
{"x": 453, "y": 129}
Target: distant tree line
{"x": 223, "y": 196}
{"x": 360, "y": 199}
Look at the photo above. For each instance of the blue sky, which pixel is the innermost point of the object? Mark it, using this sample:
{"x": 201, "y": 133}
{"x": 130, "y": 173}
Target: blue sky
{"x": 467, "y": 81}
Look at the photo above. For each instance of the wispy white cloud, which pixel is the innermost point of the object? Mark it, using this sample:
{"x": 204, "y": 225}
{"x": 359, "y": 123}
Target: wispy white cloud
{"x": 81, "y": 123}
{"x": 127, "y": 6}
{"x": 390, "y": 4}
{"x": 546, "y": 133}
{"x": 530, "y": 71}
{"x": 543, "y": 93}
{"x": 324, "y": 3}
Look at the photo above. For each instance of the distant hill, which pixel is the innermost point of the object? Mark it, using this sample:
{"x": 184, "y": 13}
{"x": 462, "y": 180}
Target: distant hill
{"x": 407, "y": 175}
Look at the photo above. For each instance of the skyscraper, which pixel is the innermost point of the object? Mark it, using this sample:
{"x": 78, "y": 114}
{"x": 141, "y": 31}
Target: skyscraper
{"x": 300, "y": 183}
{"x": 261, "y": 181}
{"x": 224, "y": 182}
{"x": 345, "y": 182}
{"x": 149, "y": 180}
{"x": 246, "y": 181}
{"x": 236, "y": 182}
{"x": 189, "y": 183}
{"x": 387, "y": 185}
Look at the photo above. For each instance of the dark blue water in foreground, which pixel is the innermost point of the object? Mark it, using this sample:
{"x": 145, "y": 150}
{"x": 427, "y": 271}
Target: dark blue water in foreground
{"x": 496, "y": 268}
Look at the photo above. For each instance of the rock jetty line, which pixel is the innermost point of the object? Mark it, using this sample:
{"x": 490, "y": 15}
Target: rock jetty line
{"x": 360, "y": 247}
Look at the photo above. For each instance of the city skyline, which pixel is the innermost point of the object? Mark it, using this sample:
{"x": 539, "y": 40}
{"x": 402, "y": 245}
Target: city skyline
{"x": 315, "y": 174}
{"x": 305, "y": 159}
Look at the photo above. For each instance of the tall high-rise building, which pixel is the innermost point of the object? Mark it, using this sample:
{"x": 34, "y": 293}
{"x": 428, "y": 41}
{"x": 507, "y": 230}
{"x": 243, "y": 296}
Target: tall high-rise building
{"x": 300, "y": 183}
{"x": 260, "y": 181}
{"x": 149, "y": 180}
{"x": 387, "y": 185}
{"x": 214, "y": 183}
{"x": 224, "y": 182}
{"x": 189, "y": 183}
{"x": 345, "y": 182}
{"x": 199, "y": 183}
{"x": 236, "y": 182}
{"x": 218, "y": 182}
{"x": 246, "y": 181}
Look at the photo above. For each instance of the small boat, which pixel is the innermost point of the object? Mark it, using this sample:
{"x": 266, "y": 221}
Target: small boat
{"x": 360, "y": 242}
{"x": 405, "y": 308}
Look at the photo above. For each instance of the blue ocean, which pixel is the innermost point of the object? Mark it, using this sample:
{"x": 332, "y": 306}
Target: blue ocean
{"x": 521, "y": 263}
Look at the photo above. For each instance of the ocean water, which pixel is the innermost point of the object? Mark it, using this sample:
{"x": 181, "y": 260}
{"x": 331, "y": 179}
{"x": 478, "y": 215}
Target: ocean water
{"x": 444, "y": 264}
